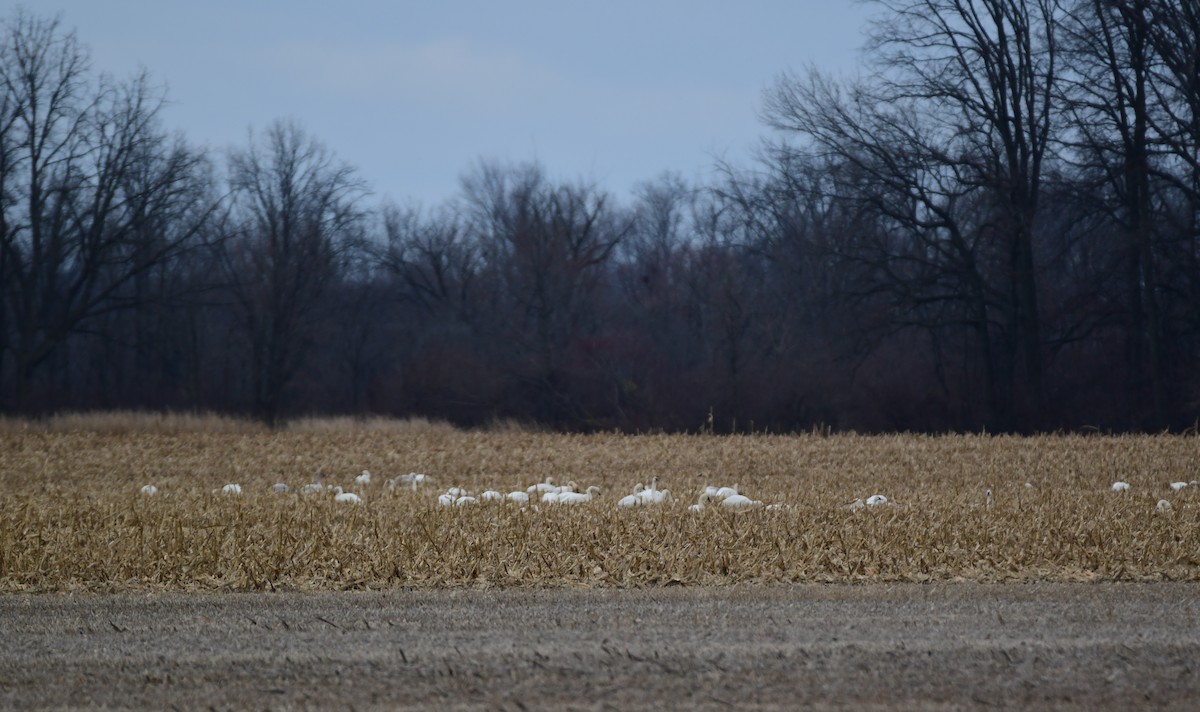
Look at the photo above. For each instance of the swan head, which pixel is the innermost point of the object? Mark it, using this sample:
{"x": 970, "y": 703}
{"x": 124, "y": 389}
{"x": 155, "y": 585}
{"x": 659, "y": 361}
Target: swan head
{"x": 593, "y": 490}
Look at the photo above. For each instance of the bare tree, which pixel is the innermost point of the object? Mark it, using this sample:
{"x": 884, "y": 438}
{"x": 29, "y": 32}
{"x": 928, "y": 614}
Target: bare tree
{"x": 296, "y": 219}
{"x": 547, "y": 246}
{"x": 89, "y": 184}
{"x": 1107, "y": 102}
{"x": 961, "y": 112}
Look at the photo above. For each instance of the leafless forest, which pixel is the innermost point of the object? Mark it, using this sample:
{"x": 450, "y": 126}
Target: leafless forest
{"x": 997, "y": 226}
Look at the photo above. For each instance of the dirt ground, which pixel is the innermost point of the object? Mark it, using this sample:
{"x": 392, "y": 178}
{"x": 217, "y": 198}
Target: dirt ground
{"x": 948, "y": 646}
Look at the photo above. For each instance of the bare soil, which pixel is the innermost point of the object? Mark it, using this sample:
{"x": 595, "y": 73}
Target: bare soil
{"x": 945, "y": 646}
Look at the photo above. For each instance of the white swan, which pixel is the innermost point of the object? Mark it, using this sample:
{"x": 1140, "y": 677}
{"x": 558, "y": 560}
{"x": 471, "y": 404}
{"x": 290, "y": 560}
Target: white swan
{"x": 231, "y": 489}
{"x": 1119, "y": 486}
{"x": 1163, "y": 506}
{"x": 547, "y": 486}
{"x": 634, "y": 499}
{"x": 413, "y": 479}
{"x": 521, "y": 498}
{"x": 630, "y": 500}
{"x": 704, "y": 499}
{"x": 457, "y": 492}
{"x": 653, "y": 495}
{"x": 491, "y": 496}
{"x": 571, "y": 498}
{"x": 446, "y": 500}
{"x": 315, "y": 487}
{"x": 364, "y": 478}
{"x": 465, "y": 501}
{"x": 280, "y": 488}
{"x": 987, "y": 499}
{"x": 149, "y": 490}
{"x": 1176, "y": 486}
{"x": 725, "y": 492}
{"x": 876, "y": 500}
{"x": 740, "y": 503}
{"x": 345, "y": 497}
{"x": 550, "y": 498}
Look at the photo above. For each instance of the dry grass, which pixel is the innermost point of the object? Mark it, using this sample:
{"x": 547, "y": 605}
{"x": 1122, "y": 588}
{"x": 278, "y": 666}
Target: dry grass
{"x": 71, "y": 517}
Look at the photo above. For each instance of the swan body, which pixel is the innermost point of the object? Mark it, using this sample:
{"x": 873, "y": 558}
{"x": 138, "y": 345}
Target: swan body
{"x": 571, "y": 498}
{"x": 740, "y": 502}
{"x": 364, "y": 478}
{"x": 457, "y": 492}
{"x": 413, "y": 479}
{"x": 465, "y": 501}
{"x": 315, "y": 487}
{"x": 1120, "y": 486}
{"x": 634, "y": 499}
{"x": 446, "y": 500}
{"x": 491, "y": 496}
{"x": 547, "y": 486}
{"x": 725, "y": 492}
{"x": 231, "y": 489}
{"x": 345, "y": 497}
{"x": 149, "y": 490}
{"x": 653, "y": 495}
{"x": 1176, "y": 486}
{"x": 550, "y": 498}
{"x": 521, "y": 498}
{"x": 1163, "y": 506}
{"x": 876, "y": 499}
{"x": 630, "y": 500}
{"x": 857, "y": 505}
{"x": 280, "y": 488}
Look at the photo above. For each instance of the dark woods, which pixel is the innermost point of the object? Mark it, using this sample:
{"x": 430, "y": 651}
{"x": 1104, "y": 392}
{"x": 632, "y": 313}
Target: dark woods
{"x": 998, "y": 229}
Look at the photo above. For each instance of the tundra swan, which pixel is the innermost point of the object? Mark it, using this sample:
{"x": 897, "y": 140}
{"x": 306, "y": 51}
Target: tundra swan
{"x": 149, "y": 490}
{"x": 724, "y": 492}
{"x": 740, "y": 503}
{"x": 364, "y": 478}
{"x": 280, "y": 488}
{"x": 578, "y": 498}
{"x": 315, "y": 487}
{"x": 876, "y": 499}
{"x": 345, "y": 497}
{"x": 1120, "y": 486}
{"x": 547, "y": 486}
{"x": 231, "y": 489}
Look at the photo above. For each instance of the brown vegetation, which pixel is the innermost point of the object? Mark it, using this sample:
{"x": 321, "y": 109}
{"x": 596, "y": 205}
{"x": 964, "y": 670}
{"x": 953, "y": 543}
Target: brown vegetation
{"x": 72, "y": 518}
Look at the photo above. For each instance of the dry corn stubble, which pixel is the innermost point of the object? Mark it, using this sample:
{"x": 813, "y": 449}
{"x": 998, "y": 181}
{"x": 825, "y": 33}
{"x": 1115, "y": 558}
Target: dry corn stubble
{"x": 72, "y": 518}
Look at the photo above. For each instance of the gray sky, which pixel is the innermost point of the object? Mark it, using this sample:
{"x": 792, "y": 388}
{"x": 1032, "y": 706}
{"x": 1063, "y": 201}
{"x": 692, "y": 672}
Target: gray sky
{"x": 413, "y": 93}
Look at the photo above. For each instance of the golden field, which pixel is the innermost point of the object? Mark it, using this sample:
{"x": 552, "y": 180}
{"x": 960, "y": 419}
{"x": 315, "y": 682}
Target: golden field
{"x": 72, "y": 517}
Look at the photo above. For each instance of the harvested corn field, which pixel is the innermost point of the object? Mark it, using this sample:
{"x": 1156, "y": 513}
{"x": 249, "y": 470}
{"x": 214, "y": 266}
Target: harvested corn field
{"x": 73, "y": 515}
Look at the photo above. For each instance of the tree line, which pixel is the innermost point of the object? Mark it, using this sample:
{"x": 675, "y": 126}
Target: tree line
{"x": 994, "y": 227}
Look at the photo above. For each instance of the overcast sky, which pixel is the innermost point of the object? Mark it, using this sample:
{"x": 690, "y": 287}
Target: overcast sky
{"x": 413, "y": 93}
